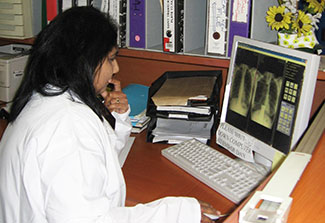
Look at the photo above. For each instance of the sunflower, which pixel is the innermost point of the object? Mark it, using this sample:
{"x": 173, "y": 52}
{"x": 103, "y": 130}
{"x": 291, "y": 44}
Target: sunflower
{"x": 317, "y": 5}
{"x": 302, "y": 24}
{"x": 277, "y": 18}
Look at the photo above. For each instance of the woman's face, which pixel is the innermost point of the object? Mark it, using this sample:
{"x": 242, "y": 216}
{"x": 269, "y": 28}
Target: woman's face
{"x": 105, "y": 72}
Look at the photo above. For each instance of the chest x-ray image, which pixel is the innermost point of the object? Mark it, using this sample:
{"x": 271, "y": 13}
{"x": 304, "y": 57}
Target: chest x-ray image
{"x": 242, "y": 89}
{"x": 265, "y": 101}
{"x": 255, "y": 93}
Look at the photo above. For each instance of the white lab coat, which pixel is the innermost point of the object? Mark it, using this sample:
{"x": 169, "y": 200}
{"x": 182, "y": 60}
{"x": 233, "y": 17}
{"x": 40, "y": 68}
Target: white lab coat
{"x": 59, "y": 163}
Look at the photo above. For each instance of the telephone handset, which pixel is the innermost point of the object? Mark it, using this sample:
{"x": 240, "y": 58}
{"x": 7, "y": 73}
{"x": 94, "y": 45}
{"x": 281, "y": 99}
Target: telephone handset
{"x": 109, "y": 88}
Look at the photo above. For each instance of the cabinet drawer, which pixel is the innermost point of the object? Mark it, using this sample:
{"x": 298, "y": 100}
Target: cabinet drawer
{"x": 10, "y": 19}
{"x": 11, "y": 30}
{"x": 11, "y": 8}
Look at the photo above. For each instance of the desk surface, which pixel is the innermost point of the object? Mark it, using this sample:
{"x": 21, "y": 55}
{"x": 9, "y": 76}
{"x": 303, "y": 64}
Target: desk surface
{"x": 309, "y": 194}
{"x": 150, "y": 176}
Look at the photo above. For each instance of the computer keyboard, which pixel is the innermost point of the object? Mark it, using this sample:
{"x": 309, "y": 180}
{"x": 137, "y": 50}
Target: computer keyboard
{"x": 227, "y": 176}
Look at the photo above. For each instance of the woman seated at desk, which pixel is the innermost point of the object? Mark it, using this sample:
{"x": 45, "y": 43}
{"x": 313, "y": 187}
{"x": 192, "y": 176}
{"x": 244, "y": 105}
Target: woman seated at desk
{"x": 58, "y": 155}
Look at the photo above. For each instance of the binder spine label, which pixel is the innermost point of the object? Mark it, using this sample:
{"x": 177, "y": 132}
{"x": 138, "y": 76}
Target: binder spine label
{"x": 240, "y": 11}
{"x": 217, "y": 26}
{"x": 169, "y": 26}
{"x": 173, "y": 25}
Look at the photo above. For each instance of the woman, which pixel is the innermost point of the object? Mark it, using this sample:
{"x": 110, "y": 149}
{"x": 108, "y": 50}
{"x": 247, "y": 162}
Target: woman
{"x": 58, "y": 155}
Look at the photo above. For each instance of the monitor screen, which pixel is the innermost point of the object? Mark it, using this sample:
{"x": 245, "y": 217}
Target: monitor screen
{"x": 267, "y": 100}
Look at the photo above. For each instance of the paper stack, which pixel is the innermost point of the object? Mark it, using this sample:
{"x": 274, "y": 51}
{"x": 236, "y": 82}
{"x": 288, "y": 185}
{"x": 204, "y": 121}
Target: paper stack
{"x": 137, "y": 95}
{"x": 183, "y": 105}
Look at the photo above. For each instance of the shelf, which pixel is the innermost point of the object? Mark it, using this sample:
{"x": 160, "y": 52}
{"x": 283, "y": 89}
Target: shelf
{"x": 4, "y": 41}
{"x": 177, "y": 58}
{"x": 185, "y": 59}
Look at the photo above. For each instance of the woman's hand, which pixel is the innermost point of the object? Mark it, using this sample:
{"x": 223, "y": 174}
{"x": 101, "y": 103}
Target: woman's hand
{"x": 116, "y": 100}
{"x": 208, "y": 209}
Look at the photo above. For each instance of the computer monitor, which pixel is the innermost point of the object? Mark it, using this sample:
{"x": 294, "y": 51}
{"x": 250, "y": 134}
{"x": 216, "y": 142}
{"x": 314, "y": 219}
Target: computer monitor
{"x": 267, "y": 101}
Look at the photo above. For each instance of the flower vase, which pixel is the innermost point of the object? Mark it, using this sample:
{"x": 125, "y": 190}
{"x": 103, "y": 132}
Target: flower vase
{"x": 308, "y": 40}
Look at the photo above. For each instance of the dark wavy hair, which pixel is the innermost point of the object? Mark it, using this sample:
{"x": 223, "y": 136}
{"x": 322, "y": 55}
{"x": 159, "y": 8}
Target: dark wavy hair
{"x": 66, "y": 54}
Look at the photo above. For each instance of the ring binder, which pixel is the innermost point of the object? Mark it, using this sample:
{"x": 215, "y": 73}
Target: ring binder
{"x": 144, "y": 24}
{"x": 173, "y": 34}
{"x": 217, "y": 26}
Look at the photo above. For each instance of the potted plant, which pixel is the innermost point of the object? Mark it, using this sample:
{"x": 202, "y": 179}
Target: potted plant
{"x": 295, "y": 22}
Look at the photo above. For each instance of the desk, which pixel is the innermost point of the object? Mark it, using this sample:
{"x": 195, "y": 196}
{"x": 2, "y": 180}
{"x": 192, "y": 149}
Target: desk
{"x": 150, "y": 176}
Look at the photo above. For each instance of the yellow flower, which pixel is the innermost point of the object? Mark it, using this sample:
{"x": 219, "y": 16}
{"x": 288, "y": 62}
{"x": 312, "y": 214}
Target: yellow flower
{"x": 302, "y": 24}
{"x": 277, "y": 18}
{"x": 317, "y": 5}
